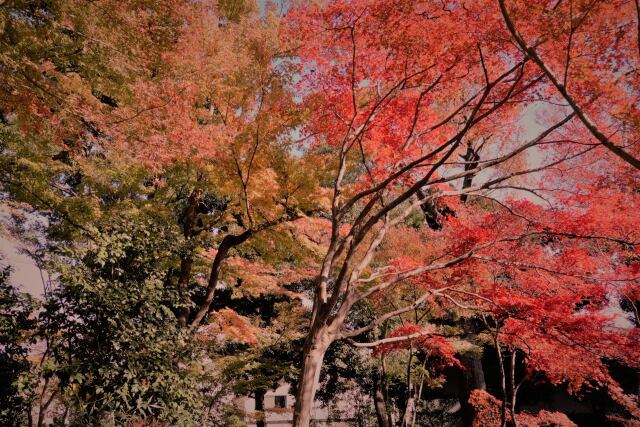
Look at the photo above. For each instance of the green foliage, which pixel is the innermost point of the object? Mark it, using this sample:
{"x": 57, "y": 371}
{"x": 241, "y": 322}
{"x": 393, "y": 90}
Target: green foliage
{"x": 16, "y": 327}
{"x": 232, "y": 417}
{"x": 234, "y": 10}
{"x": 119, "y": 351}
{"x": 75, "y": 38}
{"x": 262, "y": 368}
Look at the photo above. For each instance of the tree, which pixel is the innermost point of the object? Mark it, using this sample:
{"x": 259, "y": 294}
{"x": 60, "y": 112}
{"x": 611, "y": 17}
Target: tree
{"x": 395, "y": 102}
{"x": 120, "y": 354}
{"x": 219, "y": 168}
{"x": 221, "y": 107}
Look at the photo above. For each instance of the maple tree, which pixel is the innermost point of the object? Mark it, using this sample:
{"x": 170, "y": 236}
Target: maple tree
{"x": 396, "y": 104}
{"x": 228, "y": 110}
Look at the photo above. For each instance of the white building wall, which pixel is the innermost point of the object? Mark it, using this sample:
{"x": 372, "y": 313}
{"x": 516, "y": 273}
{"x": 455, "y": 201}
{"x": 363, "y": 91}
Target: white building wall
{"x": 283, "y": 417}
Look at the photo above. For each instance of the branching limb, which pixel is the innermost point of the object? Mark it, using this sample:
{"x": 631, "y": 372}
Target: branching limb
{"x": 582, "y": 115}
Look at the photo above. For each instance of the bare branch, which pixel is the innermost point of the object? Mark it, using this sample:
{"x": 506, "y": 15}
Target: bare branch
{"x": 389, "y": 340}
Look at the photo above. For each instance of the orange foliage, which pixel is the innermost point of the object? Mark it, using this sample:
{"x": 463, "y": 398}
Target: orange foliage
{"x": 488, "y": 414}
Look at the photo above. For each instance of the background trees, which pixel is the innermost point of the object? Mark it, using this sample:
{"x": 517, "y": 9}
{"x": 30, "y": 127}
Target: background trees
{"x": 166, "y": 131}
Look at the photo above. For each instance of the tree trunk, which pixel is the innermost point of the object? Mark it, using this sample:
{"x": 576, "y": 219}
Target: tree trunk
{"x": 503, "y": 385}
{"x": 409, "y": 404}
{"x": 186, "y": 261}
{"x": 385, "y": 390}
{"x": 410, "y": 407}
{"x": 379, "y": 399}
{"x": 638, "y": 388}
{"x": 514, "y": 388}
{"x": 471, "y": 159}
{"x": 259, "y": 407}
{"x": 419, "y": 393}
{"x": 472, "y": 379}
{"x": 313, "y": 355}
{"x": 44, "y": 404}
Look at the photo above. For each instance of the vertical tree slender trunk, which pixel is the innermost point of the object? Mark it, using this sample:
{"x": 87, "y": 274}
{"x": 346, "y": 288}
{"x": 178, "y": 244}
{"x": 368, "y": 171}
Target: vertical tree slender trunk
{"x": 406, "y": 414}
{"x": 638, "y": 388}
{"x": 259, "y": 407}
{"x": 186, "y": 261}
{"x": 315, "y": 347}
{"x": 385, "y": 390}
{"x": 44, "y": 404}
{"x": 379, "y": 399}
{"x": 514, "y": 389}
{"x": 419, "y": 393}
{"x": 503, "y": 384}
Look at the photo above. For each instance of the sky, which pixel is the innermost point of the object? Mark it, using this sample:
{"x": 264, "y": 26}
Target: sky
{"x": 25, "y": 273}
